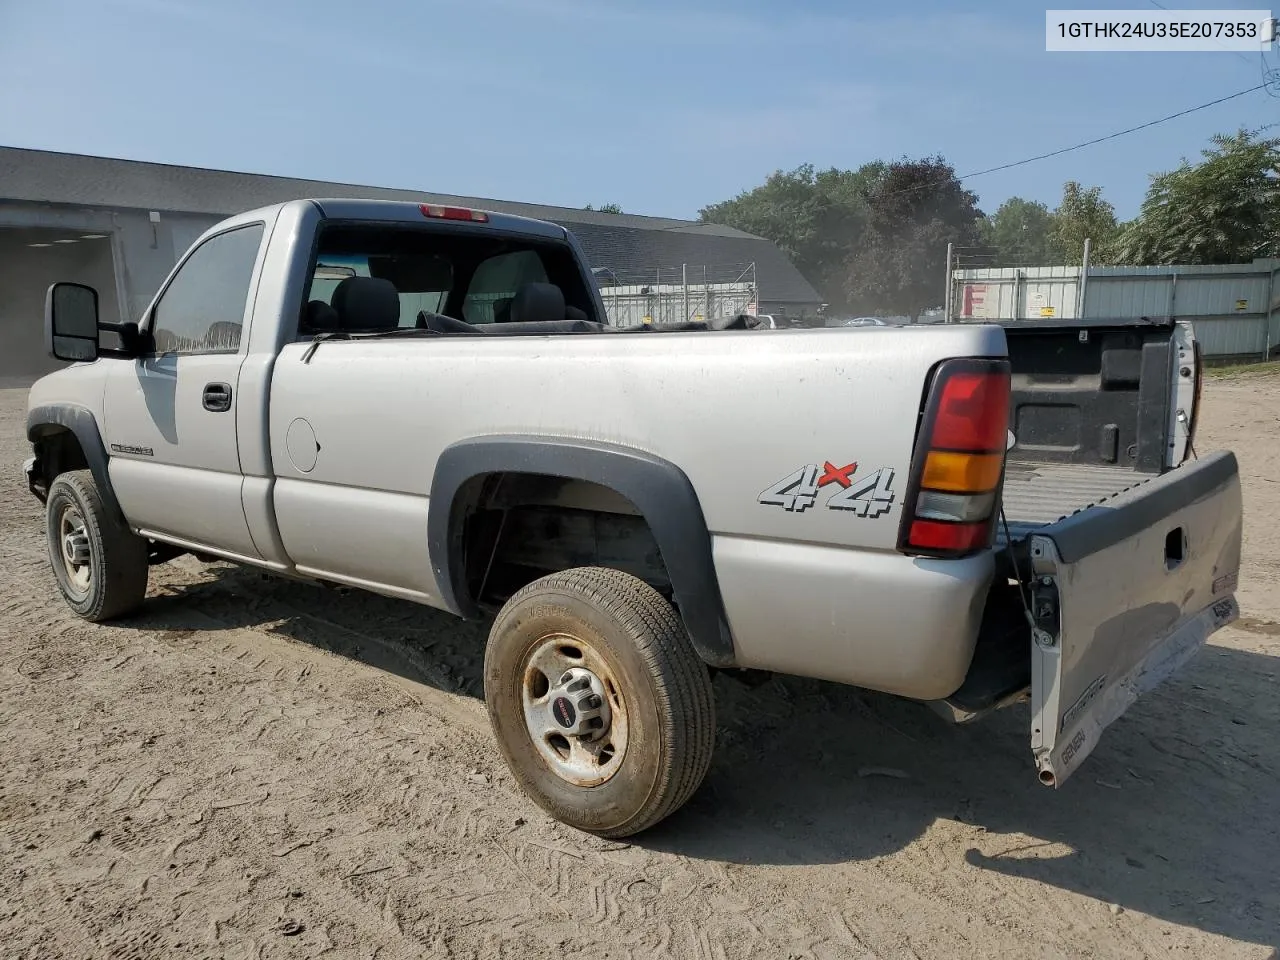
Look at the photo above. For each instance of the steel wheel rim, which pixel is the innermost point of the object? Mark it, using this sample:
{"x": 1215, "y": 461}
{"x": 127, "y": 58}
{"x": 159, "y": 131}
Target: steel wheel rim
{"x": 75, "y": 549}
{"x": 576, "y": 753}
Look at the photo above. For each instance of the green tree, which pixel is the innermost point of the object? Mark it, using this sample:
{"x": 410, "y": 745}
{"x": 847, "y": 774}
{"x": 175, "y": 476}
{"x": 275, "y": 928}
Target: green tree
{"x": 914, "y": 209}
{"x": 1224, "y": 209}
{"x": 1019, "y": 233}
{"x": 814, "y": 216}
{"x": 1081, "y": 215}
{"x": 871, "y": 239}
{"x": 604, "y": 208}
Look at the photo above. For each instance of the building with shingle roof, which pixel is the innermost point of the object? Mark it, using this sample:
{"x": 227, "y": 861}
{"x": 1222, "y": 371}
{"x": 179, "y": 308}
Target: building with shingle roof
{"x": 120, "y": 225}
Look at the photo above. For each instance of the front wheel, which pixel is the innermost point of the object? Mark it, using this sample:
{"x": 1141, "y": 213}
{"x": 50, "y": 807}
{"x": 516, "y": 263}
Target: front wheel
{"x": 99, "y": 563}
{"x": 601, "y": 707}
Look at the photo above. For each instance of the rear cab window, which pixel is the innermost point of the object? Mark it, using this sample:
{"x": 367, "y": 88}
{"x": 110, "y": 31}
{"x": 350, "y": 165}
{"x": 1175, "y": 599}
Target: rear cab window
{"x": 467, "y": 276}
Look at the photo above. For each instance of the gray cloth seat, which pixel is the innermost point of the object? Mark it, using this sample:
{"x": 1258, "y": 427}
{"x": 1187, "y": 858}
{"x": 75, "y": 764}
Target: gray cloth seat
{"x": 366, "y": 304}
{"x": 502, "y": 310}
{"x": 536, "y": 308}
{"x": 534, "y": 303}
{"x": 318, "y": 317}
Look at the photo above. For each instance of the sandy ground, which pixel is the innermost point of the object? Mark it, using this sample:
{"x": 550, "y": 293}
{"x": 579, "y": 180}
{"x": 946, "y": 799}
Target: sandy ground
{"x": 255, "y": 768}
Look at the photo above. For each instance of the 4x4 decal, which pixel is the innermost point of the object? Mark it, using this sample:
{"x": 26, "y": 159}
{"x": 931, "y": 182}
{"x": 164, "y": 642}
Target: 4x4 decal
{"x": 867, "y": 495}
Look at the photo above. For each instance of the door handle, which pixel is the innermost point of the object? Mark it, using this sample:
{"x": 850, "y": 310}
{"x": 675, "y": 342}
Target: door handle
{"x": 217, "y": 397}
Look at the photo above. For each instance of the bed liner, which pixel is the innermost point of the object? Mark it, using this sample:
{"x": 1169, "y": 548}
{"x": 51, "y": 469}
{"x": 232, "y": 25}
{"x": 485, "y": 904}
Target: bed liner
{"x": 1039, "y": 494}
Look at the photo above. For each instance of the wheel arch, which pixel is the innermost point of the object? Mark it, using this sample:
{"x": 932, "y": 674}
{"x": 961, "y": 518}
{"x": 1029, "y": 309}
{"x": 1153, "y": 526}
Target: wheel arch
{"x": 658, "y": 489}
{"x": 66, "y": 436}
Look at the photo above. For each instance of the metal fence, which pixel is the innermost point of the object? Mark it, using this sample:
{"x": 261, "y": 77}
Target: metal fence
{"x": 1234, "y": 308}
{"x": 672, "y": 294}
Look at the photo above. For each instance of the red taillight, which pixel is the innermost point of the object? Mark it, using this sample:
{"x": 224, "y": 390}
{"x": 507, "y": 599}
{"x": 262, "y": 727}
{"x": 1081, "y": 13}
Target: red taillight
{"x": 948, "y": 537}
{"x": 952, "y": 501}
{"x": 453, "y": 213}
{"x": 973, "y": 413}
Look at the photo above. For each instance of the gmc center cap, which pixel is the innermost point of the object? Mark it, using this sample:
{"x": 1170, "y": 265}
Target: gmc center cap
{"x": 562, "y": 710}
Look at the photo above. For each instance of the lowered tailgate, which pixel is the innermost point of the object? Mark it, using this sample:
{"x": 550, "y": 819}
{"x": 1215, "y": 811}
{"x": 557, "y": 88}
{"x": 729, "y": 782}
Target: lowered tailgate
{"x": 1123, "y": 594}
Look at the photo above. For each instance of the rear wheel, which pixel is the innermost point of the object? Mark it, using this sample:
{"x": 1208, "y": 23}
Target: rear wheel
{"x": 600, "y": 705}
{"x": 99, "y": 563}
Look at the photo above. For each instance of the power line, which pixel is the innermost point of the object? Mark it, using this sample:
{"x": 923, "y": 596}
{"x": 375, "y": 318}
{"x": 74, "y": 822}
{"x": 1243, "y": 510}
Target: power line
{"x": 1270, "y": 76}
{"x": 1242, "y": 56}
{"x": 1112, "y": 136}
{"x": 1079, "y": 146}
{"x": 1071, "y": 149}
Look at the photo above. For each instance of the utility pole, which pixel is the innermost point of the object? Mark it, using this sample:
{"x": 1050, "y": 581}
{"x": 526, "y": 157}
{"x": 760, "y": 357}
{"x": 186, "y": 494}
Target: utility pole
{"x": 1084, "y": 278}
{"x": 946, "y": 301}
{"x": 684, "y": 279}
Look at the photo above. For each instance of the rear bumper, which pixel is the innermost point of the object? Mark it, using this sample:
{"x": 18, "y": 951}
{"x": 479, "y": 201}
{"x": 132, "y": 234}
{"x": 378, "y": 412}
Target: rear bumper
{"x": 875, "y": 619}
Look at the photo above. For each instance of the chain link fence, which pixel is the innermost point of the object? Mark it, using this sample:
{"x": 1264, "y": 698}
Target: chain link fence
{"x": 633, "y": 297}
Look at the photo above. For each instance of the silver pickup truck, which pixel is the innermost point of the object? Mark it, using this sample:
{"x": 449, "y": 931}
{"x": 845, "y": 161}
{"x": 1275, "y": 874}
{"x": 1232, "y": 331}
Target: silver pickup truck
{"x": 428, "y": 402}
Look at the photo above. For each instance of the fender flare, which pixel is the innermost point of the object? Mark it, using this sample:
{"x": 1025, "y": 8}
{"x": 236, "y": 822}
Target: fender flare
{"x": 657, "y": 488}
{"x": 84, "y": 426}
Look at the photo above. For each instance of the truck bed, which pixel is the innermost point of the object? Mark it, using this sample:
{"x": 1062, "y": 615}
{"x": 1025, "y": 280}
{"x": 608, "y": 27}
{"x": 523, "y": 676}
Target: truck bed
{"x": 1091, "y": 414}
{"x": 1039, "y": 494}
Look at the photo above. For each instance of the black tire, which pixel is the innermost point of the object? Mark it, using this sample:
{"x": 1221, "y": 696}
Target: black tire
{"x": 112, "y": 581}
{"x": 665, "y": 689}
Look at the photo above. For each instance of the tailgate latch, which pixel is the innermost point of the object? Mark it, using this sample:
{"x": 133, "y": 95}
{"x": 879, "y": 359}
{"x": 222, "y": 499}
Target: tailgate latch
{"x": 1044, "y": 610}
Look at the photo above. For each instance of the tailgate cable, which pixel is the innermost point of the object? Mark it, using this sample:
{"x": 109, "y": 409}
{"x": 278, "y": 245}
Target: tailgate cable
{"x": 1191, "y": 443}
{"x": 1013, "y": 558}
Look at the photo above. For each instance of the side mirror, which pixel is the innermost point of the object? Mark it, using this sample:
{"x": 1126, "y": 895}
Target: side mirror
{"x": 71, "y": 322}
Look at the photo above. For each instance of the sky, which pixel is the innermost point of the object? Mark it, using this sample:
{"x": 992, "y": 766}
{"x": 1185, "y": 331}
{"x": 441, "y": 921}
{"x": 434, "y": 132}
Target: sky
{"x": 659, "y": 106}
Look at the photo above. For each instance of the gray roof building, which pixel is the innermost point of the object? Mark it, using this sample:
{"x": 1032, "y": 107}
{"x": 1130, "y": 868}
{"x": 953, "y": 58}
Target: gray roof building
{"x": 120, "y": 225}
{"x": 626, "y": 244}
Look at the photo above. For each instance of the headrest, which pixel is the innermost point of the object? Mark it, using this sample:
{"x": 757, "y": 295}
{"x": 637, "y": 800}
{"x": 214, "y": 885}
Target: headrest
{"x": 319, "y": 316}
{"x": 366, "y": 303}
{"x": 537, "y": 303}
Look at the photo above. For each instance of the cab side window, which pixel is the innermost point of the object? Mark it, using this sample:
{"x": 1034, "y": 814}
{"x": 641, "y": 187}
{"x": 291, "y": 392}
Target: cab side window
{"x": 202, "y": 310}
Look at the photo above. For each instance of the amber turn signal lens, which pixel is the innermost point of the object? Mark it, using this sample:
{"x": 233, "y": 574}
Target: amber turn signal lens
{"x": 961, "y": 472}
